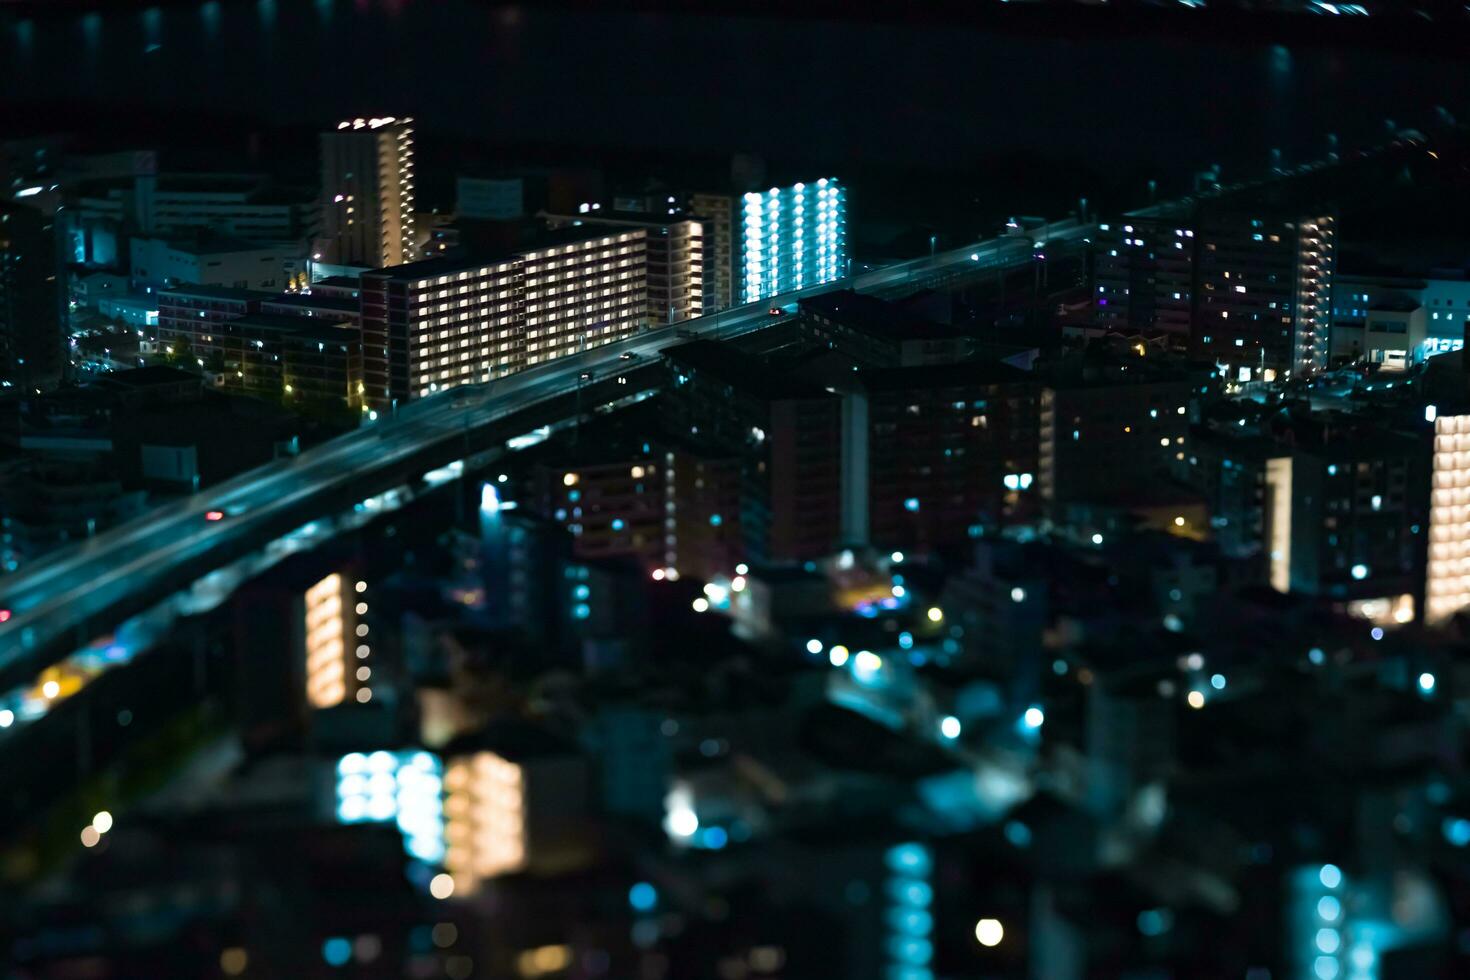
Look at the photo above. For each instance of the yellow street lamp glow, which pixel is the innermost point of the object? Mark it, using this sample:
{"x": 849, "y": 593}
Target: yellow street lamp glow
{"x": 935, "y": 614}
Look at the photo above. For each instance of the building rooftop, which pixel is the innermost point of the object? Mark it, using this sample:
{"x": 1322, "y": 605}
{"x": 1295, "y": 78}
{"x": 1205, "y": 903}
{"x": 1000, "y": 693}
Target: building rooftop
{"x": 430, "y": 268}
{"x": 147, "y": 377}
{"x": 339, "y": 282}
{"x": 741, "y": 370}
{"x": 218, "y": 292}
{"x": 285, "y": 323}
{"x": 983, "y": 372}
{"x": 205, "y": 242}
{"x": 1394, "y": 304}
{"x": 876, "y": 317}
{"x": 316, "y": 302}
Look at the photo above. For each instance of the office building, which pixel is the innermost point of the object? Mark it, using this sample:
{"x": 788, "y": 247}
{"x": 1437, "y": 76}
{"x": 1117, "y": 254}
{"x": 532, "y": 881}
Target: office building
{"x": 247, "y": 206}
{"x": 1396, "y": 322}
{"x": 368, "y": 192}
{"x": 32, "y": 349}
{"x": 439, "y": 323}
{"x": 209, "y": 259}
{"x": 791, "y": 238}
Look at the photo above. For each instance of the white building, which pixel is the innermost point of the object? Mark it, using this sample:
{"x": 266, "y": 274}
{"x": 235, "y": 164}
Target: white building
{"x": 213, "y": 260}
{"x": 439, "y": 323}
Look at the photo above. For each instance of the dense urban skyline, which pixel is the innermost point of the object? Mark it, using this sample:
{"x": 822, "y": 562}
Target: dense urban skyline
{"x": 953, "y": 493}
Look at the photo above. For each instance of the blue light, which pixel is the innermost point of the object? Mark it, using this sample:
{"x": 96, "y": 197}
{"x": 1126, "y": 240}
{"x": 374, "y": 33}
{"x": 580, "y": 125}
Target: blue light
{"x": 582, "y": 610}
{"x": 1018, "y": 834}
{"x": 910, "y": 922}
{"x": 1217, "y": 681}
{"x": 1328, "y": 908}
{"x": 911, "y": 859}
{"x": 1360, "y": 572}
{"x": 715, "y": 838}
{"x": 617, "y": 524}
{"x": 1328, "y": 940}
{"x": 1457, "y": 831}
{"x": 906, "y": 640}
{"x": 1427, "y": 682}
{"x": 1330, "y": 876}
{"x": 581, "y": 591}
{"x": 914, "y": 893}
{"x": 643, "y": 897}
{"x": 716, "y": 520}
{"x": 337, "y": 951}
{"x": 489, "y": 499}
{"x": 1155, "y": 922}
{"x": 911, "y": 504}
{"x": 916, "y": 952}
{"x": 1326, "y": 968}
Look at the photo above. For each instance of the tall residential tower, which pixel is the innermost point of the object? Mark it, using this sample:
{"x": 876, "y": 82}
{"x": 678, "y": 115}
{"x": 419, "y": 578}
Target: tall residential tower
{"x": 792, "y": 237}
{"x": 367, "y": 192}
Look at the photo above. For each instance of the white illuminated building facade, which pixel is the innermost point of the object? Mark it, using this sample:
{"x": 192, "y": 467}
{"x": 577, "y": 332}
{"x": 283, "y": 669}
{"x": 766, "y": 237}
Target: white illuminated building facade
{"x": 792, "y": 238}
{"x": 368, "y": 192}
{"x": 325, "y": 643}
{"x": 439, "y": 323}
{"x": 1447, "y": 586}
{"x": 485, "y": 819}
{"x": 336, "y": 643}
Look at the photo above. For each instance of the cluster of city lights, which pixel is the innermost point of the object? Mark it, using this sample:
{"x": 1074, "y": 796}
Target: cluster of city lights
{"x": 403, "y": 787}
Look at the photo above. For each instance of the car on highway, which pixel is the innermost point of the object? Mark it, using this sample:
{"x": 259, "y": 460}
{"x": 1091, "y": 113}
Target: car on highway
{"x": 628, "y": 355}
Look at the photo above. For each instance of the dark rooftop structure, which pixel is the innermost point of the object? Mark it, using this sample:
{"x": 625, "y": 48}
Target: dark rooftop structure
{"x": 746, "y": 371}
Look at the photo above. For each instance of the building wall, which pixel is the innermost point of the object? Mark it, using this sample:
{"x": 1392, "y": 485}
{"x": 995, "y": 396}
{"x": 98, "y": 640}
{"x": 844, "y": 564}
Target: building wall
{"x": 1447, "y": 585}
{"x": 1263, "y": 297}
{"x": 368, "y": 192}
{"x": 721, "y": 249}
{"x": 939, "y": 459}
{"x": 1144, "y": 276}
{"x": 157, "y": 264}
{"x": 793, "y": 237}
{"x": 32, "y": 349}
{"x": 1102, "y": 440}
{"x": 1353, "y": 514}
{"x": 463, "y": 326}
{"x": 490, "y": 199}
